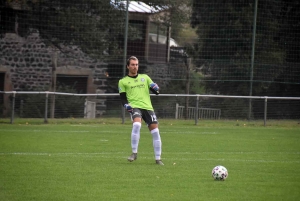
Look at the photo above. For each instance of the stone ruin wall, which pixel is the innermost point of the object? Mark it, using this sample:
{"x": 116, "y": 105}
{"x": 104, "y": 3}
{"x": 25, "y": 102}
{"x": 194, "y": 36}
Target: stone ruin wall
{"x": 28, "y": 64}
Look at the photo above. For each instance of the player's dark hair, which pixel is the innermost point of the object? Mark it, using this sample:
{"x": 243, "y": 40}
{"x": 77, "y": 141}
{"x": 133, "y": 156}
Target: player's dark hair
{"x": 131, "y": 58}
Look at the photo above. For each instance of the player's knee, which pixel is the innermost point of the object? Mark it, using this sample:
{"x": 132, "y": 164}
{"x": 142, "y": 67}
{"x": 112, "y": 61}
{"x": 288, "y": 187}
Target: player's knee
{"x": 153, "y": 127}
{"x": 136, "y": 126}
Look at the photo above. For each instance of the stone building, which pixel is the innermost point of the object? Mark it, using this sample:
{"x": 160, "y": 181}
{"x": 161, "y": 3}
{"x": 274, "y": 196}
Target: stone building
{"x": 28, "y": 64}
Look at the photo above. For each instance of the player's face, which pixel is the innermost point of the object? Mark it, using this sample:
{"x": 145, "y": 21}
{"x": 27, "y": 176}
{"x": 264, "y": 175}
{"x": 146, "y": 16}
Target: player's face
{"x": 133, "y": 67}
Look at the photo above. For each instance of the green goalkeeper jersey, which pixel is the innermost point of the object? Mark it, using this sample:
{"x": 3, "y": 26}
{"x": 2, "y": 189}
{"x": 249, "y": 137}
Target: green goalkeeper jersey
{"x": 137, "y": 91}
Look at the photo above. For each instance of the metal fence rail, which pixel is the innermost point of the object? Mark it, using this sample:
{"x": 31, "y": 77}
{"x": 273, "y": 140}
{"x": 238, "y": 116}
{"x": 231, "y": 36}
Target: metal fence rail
{"x": 203, "y": 112}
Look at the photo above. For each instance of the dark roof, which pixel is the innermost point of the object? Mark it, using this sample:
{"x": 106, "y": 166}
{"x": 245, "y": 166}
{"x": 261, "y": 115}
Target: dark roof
{"x": 139, "y": 7}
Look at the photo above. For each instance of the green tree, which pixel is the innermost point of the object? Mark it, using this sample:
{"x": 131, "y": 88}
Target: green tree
{"x": 94, "y": 26}
{"x": 178, "y": 15}
{"x": 223, "y": 50}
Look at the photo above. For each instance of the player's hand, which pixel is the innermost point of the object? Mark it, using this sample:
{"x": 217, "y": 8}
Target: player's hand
{"x": 128, "y": 108}
{"x": 155, "y": 87}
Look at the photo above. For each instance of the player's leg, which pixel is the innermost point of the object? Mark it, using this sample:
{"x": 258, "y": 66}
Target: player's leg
{"x": 135, "y": 133}
{"x": 157, "y": 145}
{"x": 151, "y": 120}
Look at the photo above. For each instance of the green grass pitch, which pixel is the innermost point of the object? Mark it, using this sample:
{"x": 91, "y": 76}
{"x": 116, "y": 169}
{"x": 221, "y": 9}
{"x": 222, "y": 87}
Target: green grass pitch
{"x": 76, "y": 160}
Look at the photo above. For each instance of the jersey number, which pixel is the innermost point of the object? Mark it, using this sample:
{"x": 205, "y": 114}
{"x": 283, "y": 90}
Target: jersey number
{"x": 153, "y": 117}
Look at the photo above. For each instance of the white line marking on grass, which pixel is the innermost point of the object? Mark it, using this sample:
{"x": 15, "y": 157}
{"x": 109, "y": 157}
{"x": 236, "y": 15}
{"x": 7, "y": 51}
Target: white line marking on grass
{"x": 258, "y": 161}
{"x": 177, "y": 153}
{"x": 113, "y": 154}
{"x": 238, "y": 152}
{"x": 80, "y": 125}
{"x": 188, "y": 132}
{"x": 59, "y": 131}
{"x": 208, "y": 133}
{"x": 59, "y": 154}
{"x": 69, "y": 131}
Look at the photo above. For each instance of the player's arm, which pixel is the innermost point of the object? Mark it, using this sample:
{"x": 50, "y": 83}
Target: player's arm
{"x": 152, "y": 85}
{"x": 124, "y": 101}
{"x": 154, "y": 88}
{"x": 122, "y": 92}
{"x": 123, "y": 97}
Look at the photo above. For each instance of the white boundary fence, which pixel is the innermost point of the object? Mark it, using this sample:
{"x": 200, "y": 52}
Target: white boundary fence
{"x": 197, "y": 96}
{"x": 203, "y": 113}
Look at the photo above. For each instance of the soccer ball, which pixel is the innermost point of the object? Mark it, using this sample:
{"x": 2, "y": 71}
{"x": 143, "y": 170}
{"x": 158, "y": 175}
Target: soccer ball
{"x": 219, "y": 173}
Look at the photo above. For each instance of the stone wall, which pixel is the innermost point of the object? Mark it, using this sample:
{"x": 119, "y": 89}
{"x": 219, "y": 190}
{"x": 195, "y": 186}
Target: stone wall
{"x": 29, "y": 64}
{"x": 27, "y": 60}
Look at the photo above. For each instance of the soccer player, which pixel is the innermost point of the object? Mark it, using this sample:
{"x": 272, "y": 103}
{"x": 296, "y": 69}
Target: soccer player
{"x": 135, "y": 97}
